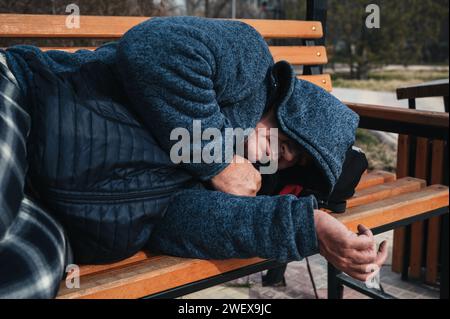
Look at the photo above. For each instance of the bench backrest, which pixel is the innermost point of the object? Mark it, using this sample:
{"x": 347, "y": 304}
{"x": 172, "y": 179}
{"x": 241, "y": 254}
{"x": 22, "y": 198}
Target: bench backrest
{"x": 108, "y": 27}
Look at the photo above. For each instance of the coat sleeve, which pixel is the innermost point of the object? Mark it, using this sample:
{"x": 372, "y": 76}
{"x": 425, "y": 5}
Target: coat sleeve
{"x": 168, "y": 75}
{"x": 214, "y": 225}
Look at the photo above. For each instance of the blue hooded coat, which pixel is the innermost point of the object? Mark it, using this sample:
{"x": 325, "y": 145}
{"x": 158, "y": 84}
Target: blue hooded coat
{"x": 100, "y": 141}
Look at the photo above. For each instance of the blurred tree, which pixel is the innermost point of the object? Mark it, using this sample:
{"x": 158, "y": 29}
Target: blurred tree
{"x": 222, "y": 8}
{"x": 294, "y": 9}
{"x": 408, "y": 27}
{"x": 196, "y": 7}
{"x": 93, "y": 7}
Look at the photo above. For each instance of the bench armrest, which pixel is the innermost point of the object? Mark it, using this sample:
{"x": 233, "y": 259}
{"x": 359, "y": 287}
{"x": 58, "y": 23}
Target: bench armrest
{"x": 403, "y": 121}
{"x": 426, "y": 89}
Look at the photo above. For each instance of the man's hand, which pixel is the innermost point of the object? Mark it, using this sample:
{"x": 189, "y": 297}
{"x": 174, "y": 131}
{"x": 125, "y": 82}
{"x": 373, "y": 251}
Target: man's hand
{"x": 238, "y": 178}
{"x": 354, "y": 254}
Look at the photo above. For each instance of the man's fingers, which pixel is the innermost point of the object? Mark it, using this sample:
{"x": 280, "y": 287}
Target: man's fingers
{"x": 370, "y": 256}
{"x": 365, "y": 272}
{"x": 361, "y": 242}
{"x": 363, "y": 269}
{"x": 363, "y": 230}
{"x": 362, "y": 257}
{"x": 382, "y": 254}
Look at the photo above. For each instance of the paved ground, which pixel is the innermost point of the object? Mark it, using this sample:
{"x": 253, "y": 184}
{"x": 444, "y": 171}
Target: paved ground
{"x": 343, "y": 68}
{"x": 299, "y": 284}
{"x": 386, "y": 99}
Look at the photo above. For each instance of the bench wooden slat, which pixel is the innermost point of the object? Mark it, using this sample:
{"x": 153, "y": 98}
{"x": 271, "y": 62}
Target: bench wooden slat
{"x": 434, "y": 224}
{"x": 136, "y": 258}
{"x": 272, "y": 29}
{"x": 295, "y": 55}
{"x": 398, "y": 244}
{"x": 68, "y": 49}
{"x": 375, "y": 178}
{"x": 54, "y": 26}
{"x": 150, "y": 276}
{"x": 395, "y": 208}
{"x": 385, "y": 190}
{"x": 322, "y": 80}
{"x": 418, "y": 228}
{"x": 300, "y": 55}
{"x": 307, "y": 53}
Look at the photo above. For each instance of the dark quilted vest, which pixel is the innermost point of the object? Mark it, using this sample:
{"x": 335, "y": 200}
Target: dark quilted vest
{"x": 94, "y": 165}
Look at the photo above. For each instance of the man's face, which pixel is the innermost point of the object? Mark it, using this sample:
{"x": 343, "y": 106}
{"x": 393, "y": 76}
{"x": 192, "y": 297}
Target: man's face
{"x": 261, "y": 143}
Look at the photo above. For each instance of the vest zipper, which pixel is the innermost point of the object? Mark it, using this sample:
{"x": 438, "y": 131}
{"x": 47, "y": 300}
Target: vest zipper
{"x": 103, "y": 197}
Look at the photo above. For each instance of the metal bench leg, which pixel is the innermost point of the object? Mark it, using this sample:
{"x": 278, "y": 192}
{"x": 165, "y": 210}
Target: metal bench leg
{"x": 335, "y": 288}
{"x": 444, "y": 258}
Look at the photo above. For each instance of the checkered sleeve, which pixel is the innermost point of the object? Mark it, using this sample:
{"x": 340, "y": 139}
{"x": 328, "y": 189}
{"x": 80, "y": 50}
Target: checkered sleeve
{"x": 33, "y": 247}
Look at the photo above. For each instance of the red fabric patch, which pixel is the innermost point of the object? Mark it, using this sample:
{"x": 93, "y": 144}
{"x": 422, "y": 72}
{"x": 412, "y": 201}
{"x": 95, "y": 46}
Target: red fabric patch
{"x": 291, "y": 189}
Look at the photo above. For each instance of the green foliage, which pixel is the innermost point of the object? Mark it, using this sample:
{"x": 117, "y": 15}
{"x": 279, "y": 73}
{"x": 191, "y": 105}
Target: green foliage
{"x": 380, "y": 156}
{"x": 407, "y": 28}
{"x": 91, "y": 7}
{"x": 294, "y": 9}
{"x": 389, "y": 80}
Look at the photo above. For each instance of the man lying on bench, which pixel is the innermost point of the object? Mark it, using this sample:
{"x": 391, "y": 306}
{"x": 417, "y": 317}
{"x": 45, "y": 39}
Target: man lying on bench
{"x": 129, "y": 148}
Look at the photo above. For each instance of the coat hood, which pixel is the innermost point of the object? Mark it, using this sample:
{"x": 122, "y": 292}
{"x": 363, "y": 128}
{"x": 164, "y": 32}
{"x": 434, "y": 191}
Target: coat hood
{"x": 322, "y": 125}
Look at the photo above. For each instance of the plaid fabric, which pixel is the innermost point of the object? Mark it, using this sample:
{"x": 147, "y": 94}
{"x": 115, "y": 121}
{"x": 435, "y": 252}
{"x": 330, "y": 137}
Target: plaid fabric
{"x": 32, "y": 244}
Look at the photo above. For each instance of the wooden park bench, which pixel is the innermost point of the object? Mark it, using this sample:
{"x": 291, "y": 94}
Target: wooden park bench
{"x": 416, "y": 248}
{"x": 382, "y": 202}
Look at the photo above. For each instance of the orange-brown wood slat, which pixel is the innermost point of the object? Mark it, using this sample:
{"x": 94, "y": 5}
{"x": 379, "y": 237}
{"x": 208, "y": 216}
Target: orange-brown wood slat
{"x": 434, "y": 224}
{"x": 150, "y": 276}
{"x": 395, "y": 208}
{"x": 418, "y": 228}
{"x": 322, "y": 80}
{"x": 136, "y": 258}
{"x": 300, "y": 55}
{"x": 375, "y": 178}
{"x": 296, "y": 55}
{"x": 45, "y": 26}
{"x": 286, "y": 28}
{"x": 385, "y": 190}
{"x": 68, "y": 49}
{"x": 398, "y": 245}
{"x": 404, "y": 142}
